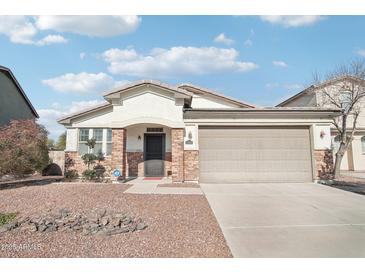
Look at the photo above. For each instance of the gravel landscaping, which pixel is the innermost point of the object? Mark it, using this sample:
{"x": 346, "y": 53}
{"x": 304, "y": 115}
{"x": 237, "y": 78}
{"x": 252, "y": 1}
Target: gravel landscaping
{"x": 175, "y": 225}
{"x": 352, "y": 184}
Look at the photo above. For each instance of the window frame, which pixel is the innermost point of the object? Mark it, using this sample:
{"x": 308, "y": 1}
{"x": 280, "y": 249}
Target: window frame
{"x": 108, "y": 142}
{"x": 91, "y": 134}
{"x": 362, "y": 140}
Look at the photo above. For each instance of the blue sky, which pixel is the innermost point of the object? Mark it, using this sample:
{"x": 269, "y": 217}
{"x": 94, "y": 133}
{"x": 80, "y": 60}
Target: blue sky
{"x": 65, "y": 63}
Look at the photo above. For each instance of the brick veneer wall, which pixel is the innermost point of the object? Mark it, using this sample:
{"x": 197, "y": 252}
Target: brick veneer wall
{"x": 177, "y": 150}
{"x": 80, "y": 167}
{"x": 135, "y": 164}
{"x": 168, "y": 159}
{"x": 323, "y": 164}
{"x": 119, "y": 159}
{"x": 191, "y": 165}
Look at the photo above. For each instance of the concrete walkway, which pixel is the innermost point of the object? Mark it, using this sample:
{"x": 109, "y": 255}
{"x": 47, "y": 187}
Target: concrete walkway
{"x": 152, "y": 188}
{"x": 289, "y": 220}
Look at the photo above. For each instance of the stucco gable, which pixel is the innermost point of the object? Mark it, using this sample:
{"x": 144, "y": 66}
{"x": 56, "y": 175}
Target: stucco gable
{"x": 146, "y": 104}
{"x": 213, "y": 99}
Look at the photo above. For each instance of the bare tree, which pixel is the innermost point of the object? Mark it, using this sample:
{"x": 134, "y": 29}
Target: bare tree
{"x": 344, "y": 89}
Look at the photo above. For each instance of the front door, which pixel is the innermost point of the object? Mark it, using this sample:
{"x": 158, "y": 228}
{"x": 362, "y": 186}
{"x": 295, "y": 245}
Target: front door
{"x": 154, "y": 148}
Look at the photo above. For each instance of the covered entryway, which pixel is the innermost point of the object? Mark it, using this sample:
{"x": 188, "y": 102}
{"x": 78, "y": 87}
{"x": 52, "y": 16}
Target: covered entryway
{"x": 254, "y": 154}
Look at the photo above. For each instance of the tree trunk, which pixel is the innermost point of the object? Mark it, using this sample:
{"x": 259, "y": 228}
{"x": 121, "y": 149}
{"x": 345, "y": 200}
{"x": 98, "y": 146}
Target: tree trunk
{"x": 339, "y": 155}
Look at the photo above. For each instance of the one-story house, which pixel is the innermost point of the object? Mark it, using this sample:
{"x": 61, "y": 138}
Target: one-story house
{"x": 354, "y": 158}
{"x": 14, "y": 103}
{"x": 192, "y": 134}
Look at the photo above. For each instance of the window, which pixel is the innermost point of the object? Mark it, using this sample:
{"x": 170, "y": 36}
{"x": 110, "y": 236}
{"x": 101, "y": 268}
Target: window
{"x": 346, "y": 99}
{"x": 363, "y": 144}
{"x": 108, "y": 141}
{"x": 336, "y": 143}
{"x": 103, "y": 141}
{"x": 154, "y": 129}
{"x": 83, "y": 137}
{"x": 98, "y": 136}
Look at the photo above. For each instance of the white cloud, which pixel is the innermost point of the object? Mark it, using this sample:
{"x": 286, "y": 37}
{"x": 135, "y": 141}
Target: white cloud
{"x": 95, "y": 25}
{"x": 82, "y": 83}
{"x": 292, "y": 20}
{"x": 51, "y": 39}
{"x": 82, "y": 55}
{"x": 21, "y": 30}
{"x": 283, "y": 86}
{"x": 175, "y": 61}
{"x": 248, "y": 43}
{"x": 25, "y": 29}
{"x": 221, "y": 38}
{"x": 48, "y": 117}
{"x": 361, "y": 52}
{"x": 279, "y": 63}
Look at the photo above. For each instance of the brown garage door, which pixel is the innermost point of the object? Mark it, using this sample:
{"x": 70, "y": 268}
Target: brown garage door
{"x": 242, "y": 155}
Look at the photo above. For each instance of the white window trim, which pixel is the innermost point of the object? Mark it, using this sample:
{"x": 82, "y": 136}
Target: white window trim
{"x": 104, "y": 141}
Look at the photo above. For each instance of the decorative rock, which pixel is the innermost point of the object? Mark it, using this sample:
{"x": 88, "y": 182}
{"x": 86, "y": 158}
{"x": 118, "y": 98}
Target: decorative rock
{"x": 127, "y": 220}
{"x": 5, "y": 228}
{"x": 115, "y": 222}
{"x": 51, "y": 228}
{"x": 104, "y": 221}
{"x": 64, "y": 212}
{"x": 101, "y": 213}
{"x": 98, "y": 222}
{"x": 141, "y": 226}
{"x": 41, "y": 228}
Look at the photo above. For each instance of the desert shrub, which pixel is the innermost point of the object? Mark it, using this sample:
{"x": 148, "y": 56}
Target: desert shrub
{"x": 52, "y": 170}
{"x": 6, "y": 218}
{"x": 89, "y": 159}
{"x": 99, "y": 171}
{"x": 89, "y": 174}
{"x": 23, "y": 148}
{"x": 71, "y": 174}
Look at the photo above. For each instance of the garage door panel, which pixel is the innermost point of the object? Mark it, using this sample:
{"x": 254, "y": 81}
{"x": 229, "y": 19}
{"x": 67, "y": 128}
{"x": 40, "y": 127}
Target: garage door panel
{"x": 249, "y": 155}
{"x": 254, "y": 155}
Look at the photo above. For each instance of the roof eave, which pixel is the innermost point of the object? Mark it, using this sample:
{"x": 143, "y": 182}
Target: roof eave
{"x": 216, "y": 94}
{"x": 12, "y": 76}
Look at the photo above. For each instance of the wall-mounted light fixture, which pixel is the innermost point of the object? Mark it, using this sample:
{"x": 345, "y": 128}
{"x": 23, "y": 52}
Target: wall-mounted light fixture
{"x": 139, "y": 137}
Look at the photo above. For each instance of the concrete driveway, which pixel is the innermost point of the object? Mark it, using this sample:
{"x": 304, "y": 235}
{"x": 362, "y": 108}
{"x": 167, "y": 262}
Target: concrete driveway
{"x": 289, "y": 219}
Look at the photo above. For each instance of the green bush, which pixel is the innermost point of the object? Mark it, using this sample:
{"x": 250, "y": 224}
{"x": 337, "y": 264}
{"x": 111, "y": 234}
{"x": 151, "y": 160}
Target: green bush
{"x": 89, "y": 174}
{"x": 89, "y": 159}
{"x": 71, "y": 174}
{"x": 6, "y": 218}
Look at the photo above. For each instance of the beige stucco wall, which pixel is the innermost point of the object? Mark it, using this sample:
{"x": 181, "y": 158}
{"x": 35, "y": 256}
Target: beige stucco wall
{"x": 58, "y": 157}
{"x": 359, "y": 156}
{"x": 135, "y": 145}
{"x": 307, "y": 100}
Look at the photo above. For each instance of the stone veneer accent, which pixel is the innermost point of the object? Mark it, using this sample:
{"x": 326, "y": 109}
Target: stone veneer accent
{"x": 119, "y": 161}
{"x": 323, "y": 164}
{"x": 177, "y": 150}
{"x": 191, "y": 165}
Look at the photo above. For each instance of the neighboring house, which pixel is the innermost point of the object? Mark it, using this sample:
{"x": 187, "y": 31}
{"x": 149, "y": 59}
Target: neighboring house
{"x": 149, "y": 128}
{"x": 14, "y": 104}
{"x": 354, "y": 158}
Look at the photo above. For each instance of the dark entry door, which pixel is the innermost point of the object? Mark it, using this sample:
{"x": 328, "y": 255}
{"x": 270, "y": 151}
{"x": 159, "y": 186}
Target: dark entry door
{"x": 154, "y": 148}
